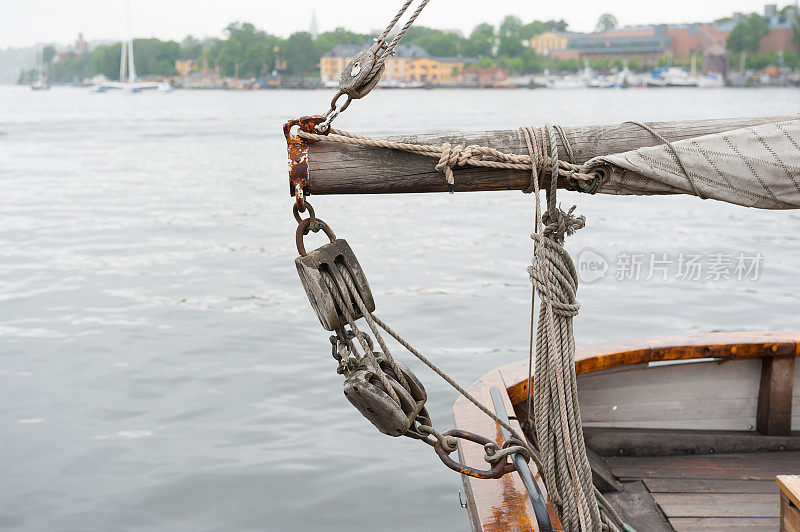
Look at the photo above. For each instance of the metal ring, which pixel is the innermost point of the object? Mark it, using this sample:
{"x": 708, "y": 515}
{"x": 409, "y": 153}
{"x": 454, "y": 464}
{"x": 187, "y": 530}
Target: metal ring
{"x": 296, "y": 210}
{"x": 498, "y": 470}
{"x": 304, "y": 227}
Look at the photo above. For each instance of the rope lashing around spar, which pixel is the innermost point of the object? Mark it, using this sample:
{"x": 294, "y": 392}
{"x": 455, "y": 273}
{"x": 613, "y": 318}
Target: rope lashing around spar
{"x": 450, "y": 157}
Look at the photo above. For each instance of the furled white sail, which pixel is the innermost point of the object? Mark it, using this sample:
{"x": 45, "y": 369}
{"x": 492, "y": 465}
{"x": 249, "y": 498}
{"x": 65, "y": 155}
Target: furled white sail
{"x": 755, "y": 166}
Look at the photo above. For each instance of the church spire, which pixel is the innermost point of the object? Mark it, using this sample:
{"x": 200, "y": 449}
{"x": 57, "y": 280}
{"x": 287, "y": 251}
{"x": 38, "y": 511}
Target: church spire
{"x": 313, "y": 28}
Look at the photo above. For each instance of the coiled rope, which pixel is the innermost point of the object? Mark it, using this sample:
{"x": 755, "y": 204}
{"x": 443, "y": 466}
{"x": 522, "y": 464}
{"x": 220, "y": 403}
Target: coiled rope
{"x": 553, "y": 389}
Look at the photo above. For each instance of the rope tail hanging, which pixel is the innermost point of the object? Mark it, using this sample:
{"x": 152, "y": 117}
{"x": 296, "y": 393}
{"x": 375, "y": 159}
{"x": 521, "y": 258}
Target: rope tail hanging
{"x": 557, "y": 420}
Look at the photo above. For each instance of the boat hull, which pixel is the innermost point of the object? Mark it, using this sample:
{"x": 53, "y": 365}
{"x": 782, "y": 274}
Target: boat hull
{"x": 682, "y": 433}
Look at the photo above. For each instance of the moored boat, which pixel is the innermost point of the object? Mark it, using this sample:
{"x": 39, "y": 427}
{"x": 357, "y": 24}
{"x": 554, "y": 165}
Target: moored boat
{"x": 682, "y": 433}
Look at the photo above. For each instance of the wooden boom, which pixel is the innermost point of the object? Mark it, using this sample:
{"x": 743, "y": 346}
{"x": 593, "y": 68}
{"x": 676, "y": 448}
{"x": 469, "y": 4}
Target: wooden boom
{"x": 347, "y": 169}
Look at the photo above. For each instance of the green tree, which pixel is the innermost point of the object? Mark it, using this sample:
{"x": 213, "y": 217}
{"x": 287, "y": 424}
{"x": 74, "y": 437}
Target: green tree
{"x": 747, "y": 34}
{"x": 513, "y": 64}
{"x": 533, "y": 29}
{"x": 300, "y": 53}
{"x": 191, "y": 48}
{"x": 480, "y": 42}
{"x": 533, "y": 62}
{"x": 105, "y": 60}
{"x": 48, "y": 53}
{"x": 257, "y": 59}
{"x": 155, "y": 58}
{"x": 791, "y": 59}
{"x": 791, "y": 13}
{"x": 485, "y": 62}
{"x": 564, "y": 65}
{"x": 328, "y": 40}
{"x": 510, "y": 46}
{"x": 435, "y": 42}
{"x": 510, "y": 33}
{"x": 601, "y": 65}
{"x": 636, "y": 64}
{"x": 230, "y": 54}
{"x": 72, "y": 70}
{"x": 511, "y": 27}
{"x": 606, "y": 22}
{"x": 556, "y": 25}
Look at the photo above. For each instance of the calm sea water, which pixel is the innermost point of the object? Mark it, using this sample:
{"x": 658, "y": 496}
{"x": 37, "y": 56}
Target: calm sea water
{"x": 161, "y": 368}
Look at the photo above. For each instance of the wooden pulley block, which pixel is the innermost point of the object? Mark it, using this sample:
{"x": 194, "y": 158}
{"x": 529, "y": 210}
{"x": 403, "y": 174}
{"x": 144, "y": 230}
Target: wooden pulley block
{"x": 364, "y": 389}
{"x": 333, "y": 260}
{"x": 354, "y": 80}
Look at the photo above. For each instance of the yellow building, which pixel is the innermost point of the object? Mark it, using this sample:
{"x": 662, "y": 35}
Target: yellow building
{"x": 331, "y": 65}
{"x": 410, "y": 63}
{"x": 185, "y": 67}
{"x": 549, "y": 41}
{"x": 434, "y": 70}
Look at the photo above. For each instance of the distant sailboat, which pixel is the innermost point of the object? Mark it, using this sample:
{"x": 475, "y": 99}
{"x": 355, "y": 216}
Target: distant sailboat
{"x": 40, "y": 81}
{"x": 127, "y": 69}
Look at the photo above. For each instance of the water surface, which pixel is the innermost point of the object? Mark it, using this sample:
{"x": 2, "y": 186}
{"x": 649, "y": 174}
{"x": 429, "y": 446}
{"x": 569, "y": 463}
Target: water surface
{"x": 161, "y": 368}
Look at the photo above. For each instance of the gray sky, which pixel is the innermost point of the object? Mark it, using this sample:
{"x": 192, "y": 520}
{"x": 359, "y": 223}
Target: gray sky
{"x": 25, "y": 22}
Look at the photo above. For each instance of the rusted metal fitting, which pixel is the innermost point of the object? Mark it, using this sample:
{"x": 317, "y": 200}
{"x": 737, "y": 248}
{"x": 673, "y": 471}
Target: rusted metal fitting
{"x": 298, "y": 155}
{"x": 498, "y": 469}
{"x": 305, "y": 226}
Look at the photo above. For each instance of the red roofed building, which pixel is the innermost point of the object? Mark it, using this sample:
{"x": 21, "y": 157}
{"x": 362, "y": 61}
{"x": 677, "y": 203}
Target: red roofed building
{"x": 483, "y": 76}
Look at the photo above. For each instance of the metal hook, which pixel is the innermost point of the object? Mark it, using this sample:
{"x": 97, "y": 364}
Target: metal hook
{"x": 333, "y": 112}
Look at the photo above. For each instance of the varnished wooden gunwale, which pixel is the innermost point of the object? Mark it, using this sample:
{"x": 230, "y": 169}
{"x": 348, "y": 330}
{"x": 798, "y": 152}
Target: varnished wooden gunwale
{"x": 723, "y": 345}
{"x": 496, "y": 505}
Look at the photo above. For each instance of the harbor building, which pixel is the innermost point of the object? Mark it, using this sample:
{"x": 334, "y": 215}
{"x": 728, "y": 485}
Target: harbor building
{"x": 410, "y": 63}
{"x": 550, "y": 41}
{"x": 483, "y": 77}
{"x": 677, "y": 41}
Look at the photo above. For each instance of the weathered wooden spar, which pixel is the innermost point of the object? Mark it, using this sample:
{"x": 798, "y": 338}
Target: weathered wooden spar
{"x": 335, "y": 168}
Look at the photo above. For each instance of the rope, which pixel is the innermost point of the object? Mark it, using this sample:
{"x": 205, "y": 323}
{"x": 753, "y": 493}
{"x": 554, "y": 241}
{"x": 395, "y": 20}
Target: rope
{"x": 343, "y": 301}
{"x": 559, "y": 432}
{"x": 344, "y": 296}
{"x": 531, "y": 140}
{"x": 675, "y": 156}
{"x": 449, "y": 380}
{"x": 560, "y": 453}
{"x": 451, "y": 157}
{"x": 390, "y": 49}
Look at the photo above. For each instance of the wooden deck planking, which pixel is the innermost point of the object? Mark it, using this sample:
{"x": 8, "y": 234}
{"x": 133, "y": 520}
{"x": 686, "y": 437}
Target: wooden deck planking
{"x": 718, "y": 504}
{"x": 713, "y": 492}
{"x": 703, "y": 485}
{"x": 637, "y": 507}
{"x": 723, "y": 524}
{"x": 745, "y": 466}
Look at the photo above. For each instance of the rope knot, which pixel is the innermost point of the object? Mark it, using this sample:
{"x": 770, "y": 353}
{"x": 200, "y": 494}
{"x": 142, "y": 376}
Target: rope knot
{"x": 560, "y": 224}
{"x": 451, "y": 157}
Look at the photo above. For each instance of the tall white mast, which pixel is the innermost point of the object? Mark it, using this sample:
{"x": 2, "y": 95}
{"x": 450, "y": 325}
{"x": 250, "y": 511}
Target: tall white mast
{"x": 40, "y": 66}
{"x": 131, "y": 65}
{"x": 127, "y": 68}
{"x": 122, "y": 60}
